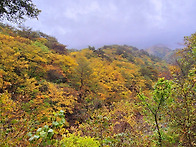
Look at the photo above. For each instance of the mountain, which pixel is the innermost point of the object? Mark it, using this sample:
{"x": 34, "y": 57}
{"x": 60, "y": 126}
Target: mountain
{"x": 52, "y": 96}
{"x": 159, "y": 50}
{"x": 47, "y": 91}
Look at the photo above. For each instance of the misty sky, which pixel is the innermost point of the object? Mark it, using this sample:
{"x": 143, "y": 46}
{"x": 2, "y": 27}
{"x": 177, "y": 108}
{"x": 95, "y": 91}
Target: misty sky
{"x": 139, "y": 23}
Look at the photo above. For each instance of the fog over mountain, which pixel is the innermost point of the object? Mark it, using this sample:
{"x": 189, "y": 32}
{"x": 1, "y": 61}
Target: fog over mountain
{"x": 80, "y": 23}
{"x": 159, "y": 50}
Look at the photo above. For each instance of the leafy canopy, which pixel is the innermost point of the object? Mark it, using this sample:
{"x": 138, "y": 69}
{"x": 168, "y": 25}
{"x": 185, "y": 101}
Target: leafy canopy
{"x": 17, "y": 10}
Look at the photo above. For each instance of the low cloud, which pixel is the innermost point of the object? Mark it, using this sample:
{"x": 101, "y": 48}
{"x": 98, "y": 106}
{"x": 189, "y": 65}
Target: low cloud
{"x": 80, "y": 23}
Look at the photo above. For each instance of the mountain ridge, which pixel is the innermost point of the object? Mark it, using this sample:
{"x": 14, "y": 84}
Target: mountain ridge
{"x": 159, "y": 50}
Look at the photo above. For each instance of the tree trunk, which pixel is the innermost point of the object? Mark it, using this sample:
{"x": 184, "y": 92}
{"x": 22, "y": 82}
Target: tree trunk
{"x": 158, "y": 130}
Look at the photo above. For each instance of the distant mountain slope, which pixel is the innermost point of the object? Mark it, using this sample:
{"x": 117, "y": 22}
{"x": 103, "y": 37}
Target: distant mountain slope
{"x": 171, "y": 56}
{"x": 159, "y": 51}
{"x": 39, "y": 76}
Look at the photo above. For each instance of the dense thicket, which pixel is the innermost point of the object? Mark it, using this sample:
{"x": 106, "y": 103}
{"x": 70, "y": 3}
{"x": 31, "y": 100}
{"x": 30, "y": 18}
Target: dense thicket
{"x": 99, "y": 97}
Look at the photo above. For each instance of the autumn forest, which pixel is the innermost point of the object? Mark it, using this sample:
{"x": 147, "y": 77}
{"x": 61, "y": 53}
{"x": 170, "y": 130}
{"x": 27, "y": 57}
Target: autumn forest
{"x": 111, "y": 96}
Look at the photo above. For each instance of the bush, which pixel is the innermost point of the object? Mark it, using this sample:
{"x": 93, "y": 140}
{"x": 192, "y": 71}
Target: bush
{"x": 72, "y": 140}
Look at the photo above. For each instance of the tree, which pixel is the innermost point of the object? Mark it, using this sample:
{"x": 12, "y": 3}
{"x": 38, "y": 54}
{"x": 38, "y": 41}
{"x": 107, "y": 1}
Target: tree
{"x": 82, "y": 77}
{"x": 155, "y": 105}
{"x": 184, "y": 110}
{"x": 184, "y": 92}
{"x": 17, "y": 10}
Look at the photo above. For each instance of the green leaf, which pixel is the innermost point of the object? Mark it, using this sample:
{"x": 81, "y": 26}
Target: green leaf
{"x": 49, "y": 142}
{"x": 55, "y": 123}
{"x": 39, "y": 129}
{"x": 36, "y": 136}
{"x": 31, "y": 139}
{"x": 62, "y": 121}
{"x": 50, "y": 131}
{"x": 46, "y": 127}
{"x": 43, "y": 134}
{"x": 29, "y": 134}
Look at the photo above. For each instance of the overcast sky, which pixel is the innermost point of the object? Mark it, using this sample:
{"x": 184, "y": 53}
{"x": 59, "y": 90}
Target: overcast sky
{"x": 139, "y": 23}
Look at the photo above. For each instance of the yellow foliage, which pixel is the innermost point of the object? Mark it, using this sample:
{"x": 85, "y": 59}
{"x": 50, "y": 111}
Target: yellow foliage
{"x": 139, "y": 61}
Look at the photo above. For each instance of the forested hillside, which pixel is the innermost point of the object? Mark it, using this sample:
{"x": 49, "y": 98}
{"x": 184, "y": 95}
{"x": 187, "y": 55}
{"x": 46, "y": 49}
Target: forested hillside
{"x": 111, "y": 96}
{"x": 163, "y": 52}
{"x": 159, "y": 50}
